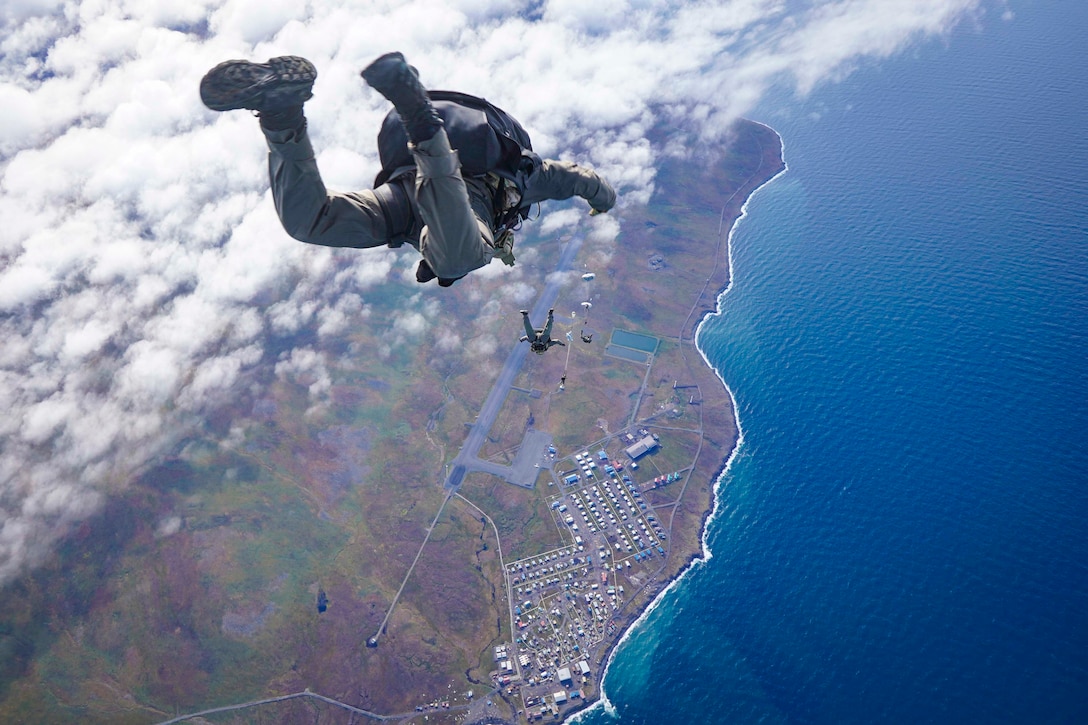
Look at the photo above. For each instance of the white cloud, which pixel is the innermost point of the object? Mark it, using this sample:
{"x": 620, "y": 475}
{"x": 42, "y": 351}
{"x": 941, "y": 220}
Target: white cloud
{"x": 372, "y": 268}
{"x": 16, "y": 11}
{"x": 151, "y": 375}
{"x": 518, "y": 293}
{"x": 141, "y": 262}
{"x": 561, "y": 219}
{"x": 337, "y": 319}
{"x": 306, "y": 366}
{"x": 483, "y": 346}
{"x": 168, "y": 527}
{"x": 416, "y": 319}
{"x": 42, "y": 419}
{"x": 447, "y": 341}
{"x": 411, "y": 323}
{"x": 217, "y": 375}
{"x": 253, "y": 21}
{"x": 605, "y": 228}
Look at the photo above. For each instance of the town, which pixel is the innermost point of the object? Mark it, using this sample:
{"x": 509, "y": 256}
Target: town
{"x": 563, "y": 600}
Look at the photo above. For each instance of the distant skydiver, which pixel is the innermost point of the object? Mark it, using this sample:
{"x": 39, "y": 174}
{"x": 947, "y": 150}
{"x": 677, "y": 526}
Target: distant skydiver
{"x": 540, "y": 340}
{"x": 458, "y": 174}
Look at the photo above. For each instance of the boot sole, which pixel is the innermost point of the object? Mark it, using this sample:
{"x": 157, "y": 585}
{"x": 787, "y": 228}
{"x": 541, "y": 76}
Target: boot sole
{"x": 280, "y": 83}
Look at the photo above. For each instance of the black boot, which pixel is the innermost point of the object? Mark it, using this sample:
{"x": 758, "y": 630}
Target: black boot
{"x": 391, "y": 76}
{"x": 276, "y": 90}
{"x": 276, "y": 87}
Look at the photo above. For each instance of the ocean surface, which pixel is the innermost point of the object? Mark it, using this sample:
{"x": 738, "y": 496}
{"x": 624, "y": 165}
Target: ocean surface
{"x": 903, "y": 535}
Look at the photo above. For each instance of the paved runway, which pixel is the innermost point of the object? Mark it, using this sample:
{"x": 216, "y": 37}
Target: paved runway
{"x": 467, "y": 461}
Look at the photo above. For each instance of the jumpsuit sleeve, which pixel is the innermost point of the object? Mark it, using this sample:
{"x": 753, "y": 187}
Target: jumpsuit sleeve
{"x": 563, "y": 179}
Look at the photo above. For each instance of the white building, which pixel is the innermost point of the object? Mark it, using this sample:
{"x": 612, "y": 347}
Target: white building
{"x": 641, "y": 448}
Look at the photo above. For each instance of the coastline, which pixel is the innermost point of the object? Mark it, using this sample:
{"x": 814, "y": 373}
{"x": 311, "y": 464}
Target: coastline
{"x": 882, "y": 295}
{"x": 705, "y": 554}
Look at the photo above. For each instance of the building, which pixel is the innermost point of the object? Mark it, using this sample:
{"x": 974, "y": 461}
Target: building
{"x": 583, "y": 667}
{"x": 564, "y": 675}
{"x": 642, "y": 447}
{"x": 560, "y": 697}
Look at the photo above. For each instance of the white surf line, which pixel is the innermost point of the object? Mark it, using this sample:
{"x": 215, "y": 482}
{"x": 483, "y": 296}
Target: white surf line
{"x": 707, "y": 554}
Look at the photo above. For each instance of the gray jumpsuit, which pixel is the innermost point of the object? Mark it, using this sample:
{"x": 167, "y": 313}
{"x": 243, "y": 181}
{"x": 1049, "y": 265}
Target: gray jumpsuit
{"x": 451, "y": 217}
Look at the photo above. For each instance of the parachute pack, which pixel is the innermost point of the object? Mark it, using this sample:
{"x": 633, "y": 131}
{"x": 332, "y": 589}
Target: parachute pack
{"x": 489, "y": 141}
{"x": 487, "y": 138}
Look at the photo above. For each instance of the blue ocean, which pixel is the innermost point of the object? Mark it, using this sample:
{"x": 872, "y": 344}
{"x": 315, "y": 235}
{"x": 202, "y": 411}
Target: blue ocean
{"x": 903, "y": 534}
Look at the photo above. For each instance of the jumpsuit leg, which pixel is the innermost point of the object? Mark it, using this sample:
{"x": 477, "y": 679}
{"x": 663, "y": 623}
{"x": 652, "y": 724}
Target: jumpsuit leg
{"x": 563, "y": 179}
{"x": 457, "y": 236}
{"x": 529, "y": 331}
{"x": 548, "y": 325}
{"x": 308, "y": 211}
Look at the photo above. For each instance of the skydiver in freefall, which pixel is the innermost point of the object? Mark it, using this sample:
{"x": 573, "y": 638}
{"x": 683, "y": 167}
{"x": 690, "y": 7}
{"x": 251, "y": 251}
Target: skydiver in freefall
{"x": 540, "y": 340}
{"x": 458, "y": 174}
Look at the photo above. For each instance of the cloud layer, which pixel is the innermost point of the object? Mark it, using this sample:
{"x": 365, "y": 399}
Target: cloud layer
{"x": 143, "y": 272}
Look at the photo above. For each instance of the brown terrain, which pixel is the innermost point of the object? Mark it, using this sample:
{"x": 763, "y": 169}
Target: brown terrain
{"x": 196, "y": 588}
